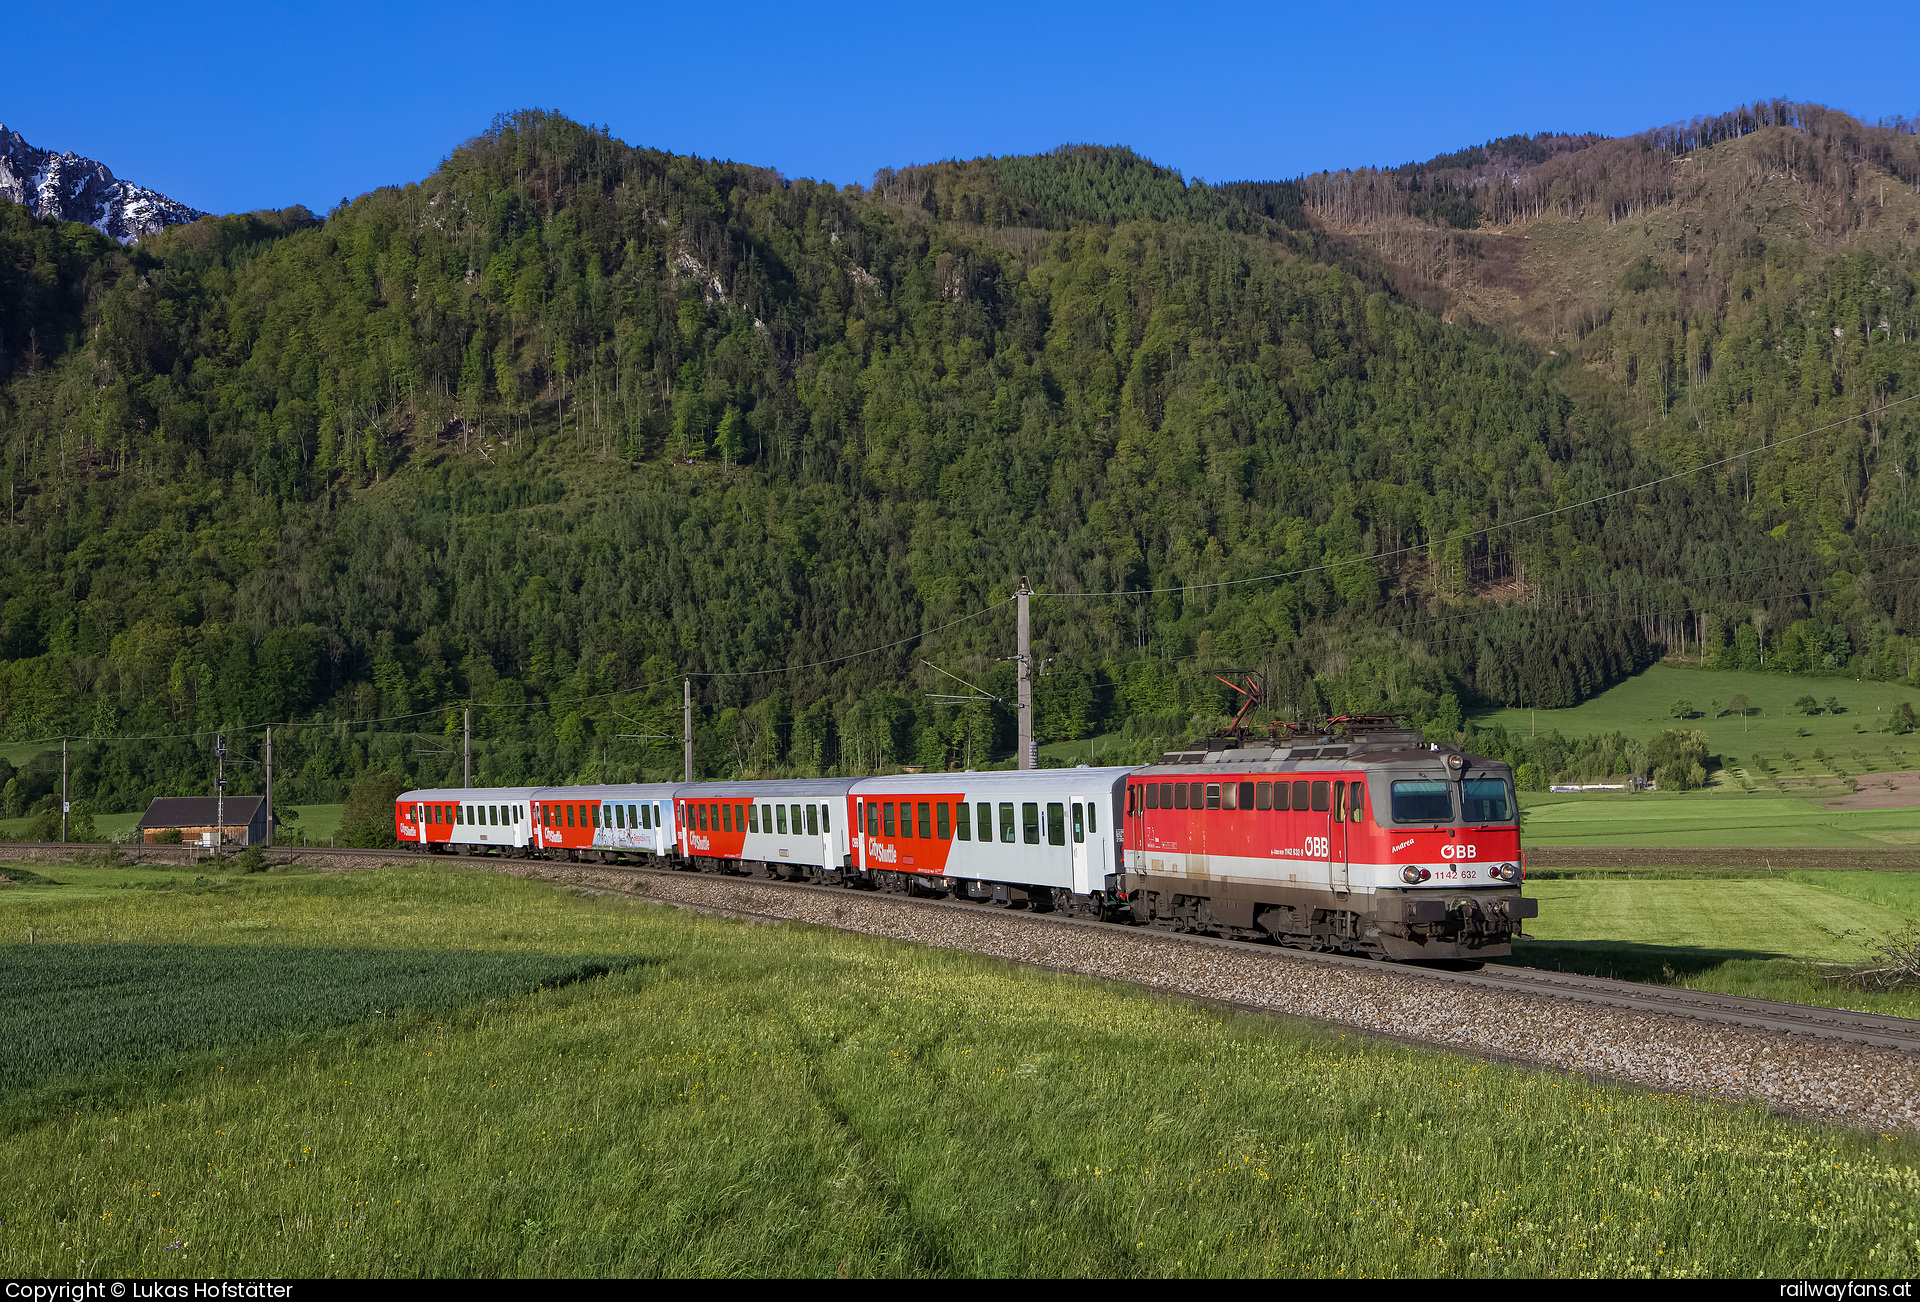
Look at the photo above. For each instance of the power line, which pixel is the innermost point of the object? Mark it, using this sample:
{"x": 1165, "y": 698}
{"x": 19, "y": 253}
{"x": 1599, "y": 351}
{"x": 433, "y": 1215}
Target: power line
{"x": 1505, "y": 524}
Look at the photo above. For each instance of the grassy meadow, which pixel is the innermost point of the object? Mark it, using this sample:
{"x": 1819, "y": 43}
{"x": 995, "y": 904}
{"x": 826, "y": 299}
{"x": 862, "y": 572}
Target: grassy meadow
{"x": 727, "y": 1099}
{"x": 1787, "y": 935}
{"x": 1854, "y": 740}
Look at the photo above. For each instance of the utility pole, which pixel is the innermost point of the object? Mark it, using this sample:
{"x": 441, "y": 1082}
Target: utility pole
{"x": 466, "y": 748}
{"x": 686, "y": 725}
{"x": 269, "y": 788}
{"x": 219, "y": 791}
{"x": 1024, "y": 655}
{"x": 64, "y": 805}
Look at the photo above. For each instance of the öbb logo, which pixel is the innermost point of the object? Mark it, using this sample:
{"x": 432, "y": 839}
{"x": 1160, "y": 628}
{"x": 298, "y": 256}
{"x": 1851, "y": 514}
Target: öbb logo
{"x": 1452, "y": 851}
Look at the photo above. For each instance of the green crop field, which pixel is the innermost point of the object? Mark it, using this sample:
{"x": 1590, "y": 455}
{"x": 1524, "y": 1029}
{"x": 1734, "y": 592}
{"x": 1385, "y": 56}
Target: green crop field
{"x": 1715, "y": 817}
{"x": 731, "y": 1099}
{"x": 1789, "y": 937}
{"x": 1854, "y": 740}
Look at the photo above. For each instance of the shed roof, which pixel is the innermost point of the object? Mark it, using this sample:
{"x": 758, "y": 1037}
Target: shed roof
{"x": 200, "y": 811}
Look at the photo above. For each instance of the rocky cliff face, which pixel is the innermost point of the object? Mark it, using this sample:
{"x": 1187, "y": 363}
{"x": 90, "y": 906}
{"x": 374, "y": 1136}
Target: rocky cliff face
{"x": 75, "y": 189}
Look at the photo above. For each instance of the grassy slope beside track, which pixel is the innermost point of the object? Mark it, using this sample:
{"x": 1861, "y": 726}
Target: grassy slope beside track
{"x": 790, "y": 1101}
{"x": 1718, "y": 817}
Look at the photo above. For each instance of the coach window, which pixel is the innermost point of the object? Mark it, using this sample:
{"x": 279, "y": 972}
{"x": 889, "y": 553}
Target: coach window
{"x": 1030, "y": 822}
{"x": 985, "y": 812}
{"x": 1358, "y": 805}
{"x": 493, "y": 814}
{"x": 926, "y": 821}
{"x": 886, "y": 818}
{"x": 781, "y": 821}
{"x": 659, "y": 814}
{"x": 906, "y": 818}
{"x": 796, "y": 820}
{"x": 1319, "y": 797}
{"x": 826, "y": 818}
{"x": 1300, "y": 796}
{"x": 1179, "y": 795}
{"x": 646, "y": 819}
{"x": 943, "y": 821}
{"x": 1263, "y": 796}
{"x": 1093, "y": 819}
{"x": 726, "y": 816}
{"x": 753, "y": 818}
{"x": 813, "y": 820}
{"x": 873, "y": 818}
{"x": 1079, "y": 824}
{"x": 1006, "y": 822}
{"x": 962, "y": 825}
{"x": 569, "y": 810}
{"x": 1057, "y": 824}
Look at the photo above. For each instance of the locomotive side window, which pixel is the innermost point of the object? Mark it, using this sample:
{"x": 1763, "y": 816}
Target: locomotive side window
{"x": 1339, "y": 802}
{"x": 943, "y": 820}
{"x": 1485, "y": 801}
{"x": 1030, "y": 822}
{"x": 1263, "y": 796}
{"x": 1006, "y": 822}
{"x": 1153, "y": 795}
{"x": 1179, "y": 795}
{"x": 1422, "y": 801}
{"x": 1357, "y": 807}
{"x": 1246, "y": 795}
{"x": 926, "y": 824}
{"x": 1300, "y": 795}
{"x": 1198, "y": 797}
{"x": 1319, "y": 797}
{"x": 813, "y": 820}
{"x": 1230, "y": 795}
{"x": 1213, "y": 795}
{"x": 985, "y": 812}
{"x": 1056, "y": 824}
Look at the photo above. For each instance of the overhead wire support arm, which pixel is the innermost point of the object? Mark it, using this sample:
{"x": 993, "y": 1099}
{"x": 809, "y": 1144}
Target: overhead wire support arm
{"x": 980, "y": 693}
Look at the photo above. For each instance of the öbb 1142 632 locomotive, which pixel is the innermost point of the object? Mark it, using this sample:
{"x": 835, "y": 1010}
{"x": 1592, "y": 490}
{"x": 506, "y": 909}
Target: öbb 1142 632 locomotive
{"x": 1358, "y": 837}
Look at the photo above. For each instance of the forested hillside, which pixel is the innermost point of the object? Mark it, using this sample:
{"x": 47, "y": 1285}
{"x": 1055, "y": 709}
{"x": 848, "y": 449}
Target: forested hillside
{"x": 569, "y": 420}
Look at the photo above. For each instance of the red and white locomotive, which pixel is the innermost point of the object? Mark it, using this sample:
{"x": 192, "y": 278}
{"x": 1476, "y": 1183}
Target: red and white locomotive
{"x": 1360, "y": 838}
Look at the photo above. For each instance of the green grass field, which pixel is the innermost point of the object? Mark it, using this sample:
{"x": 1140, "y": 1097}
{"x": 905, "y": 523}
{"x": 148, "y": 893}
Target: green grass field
{"x": 1854, "y": 740}
{"x": 783, "y": 1100}
{"x": 1715, "y": 817}
{"x": 1788, "y": 937}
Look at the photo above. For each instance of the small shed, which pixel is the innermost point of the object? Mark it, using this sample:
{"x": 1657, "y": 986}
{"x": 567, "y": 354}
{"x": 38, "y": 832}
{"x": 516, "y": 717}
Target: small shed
{"x": 194, "y": 817}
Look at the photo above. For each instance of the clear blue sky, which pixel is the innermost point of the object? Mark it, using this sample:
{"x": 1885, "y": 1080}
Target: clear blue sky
{"x": 231, "y": 107}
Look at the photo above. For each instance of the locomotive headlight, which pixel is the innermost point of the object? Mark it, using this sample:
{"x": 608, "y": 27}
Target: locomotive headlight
{"x": 1413, "y": 876}
{"x": 1456, "y": 764}
{"x": 1508, "y": 872}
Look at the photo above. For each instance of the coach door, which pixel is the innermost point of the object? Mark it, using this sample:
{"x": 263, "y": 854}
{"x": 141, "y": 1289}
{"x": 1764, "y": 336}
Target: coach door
{"x": 857, "y": 835}
{"x": 1082, "y": 878}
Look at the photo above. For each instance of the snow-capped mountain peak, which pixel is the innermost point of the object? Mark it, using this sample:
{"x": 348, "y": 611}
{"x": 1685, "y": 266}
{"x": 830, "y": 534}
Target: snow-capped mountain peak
{"x": 75, "y": 189}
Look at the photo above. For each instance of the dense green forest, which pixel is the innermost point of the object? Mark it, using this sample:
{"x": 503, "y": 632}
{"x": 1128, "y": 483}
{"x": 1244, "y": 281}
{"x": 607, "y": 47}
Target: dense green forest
{"x": 569, "y": 420}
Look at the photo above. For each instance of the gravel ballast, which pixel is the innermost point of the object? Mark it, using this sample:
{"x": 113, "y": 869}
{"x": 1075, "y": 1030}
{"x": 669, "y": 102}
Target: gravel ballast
{"x": 1858, "y": 1085}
